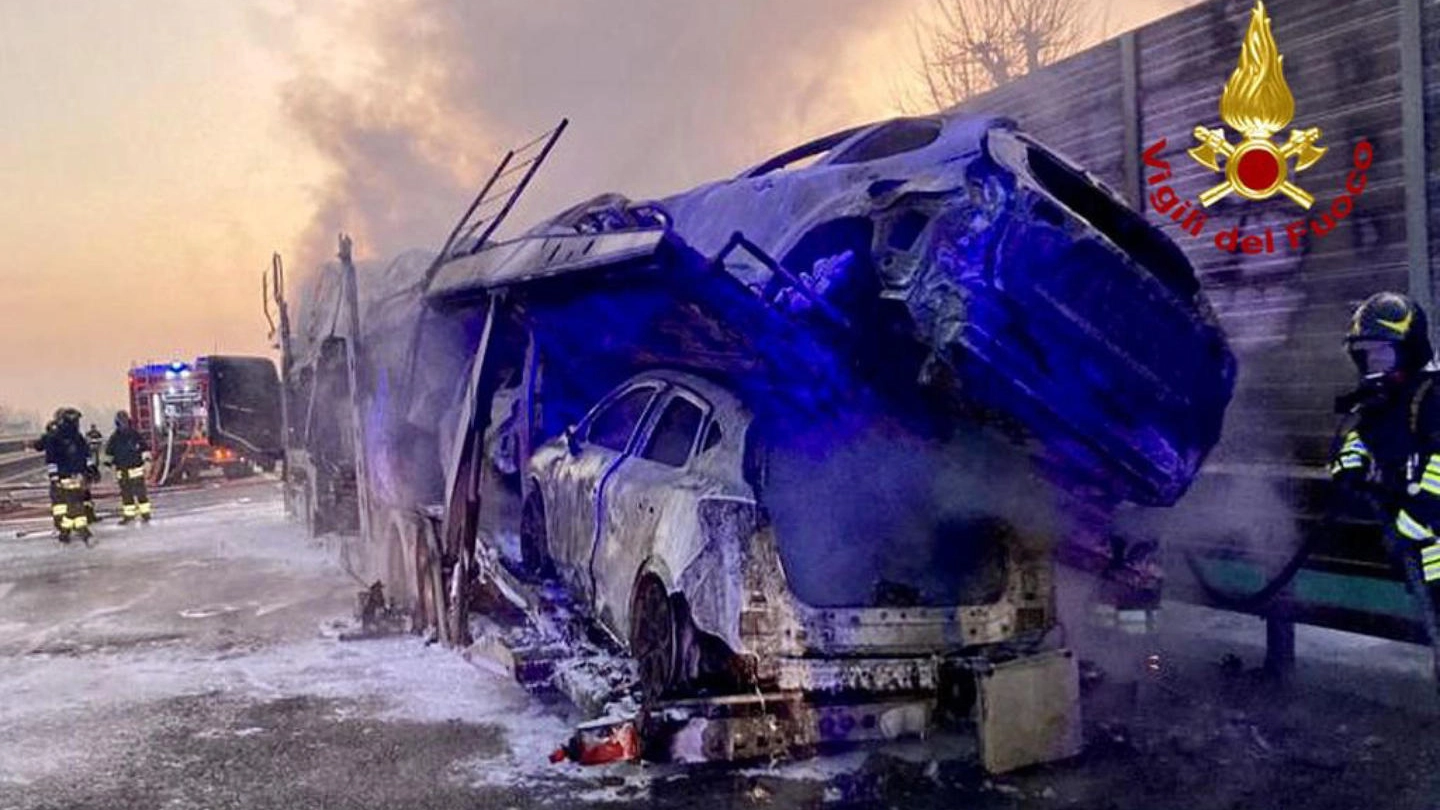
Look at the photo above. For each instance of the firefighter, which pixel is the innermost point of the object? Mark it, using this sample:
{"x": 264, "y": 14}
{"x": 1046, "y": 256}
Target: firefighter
{"x": 127, "y": 453}
{"x": 94, "y": 440}
{"x": 1392, "y": 446}
{"x": 47, "y": 445}
{"x": 72, "y": 460}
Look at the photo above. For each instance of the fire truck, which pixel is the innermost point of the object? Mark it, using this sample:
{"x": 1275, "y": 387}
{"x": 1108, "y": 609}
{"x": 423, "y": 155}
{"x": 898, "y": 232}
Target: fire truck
{"x": 172, "y": 405}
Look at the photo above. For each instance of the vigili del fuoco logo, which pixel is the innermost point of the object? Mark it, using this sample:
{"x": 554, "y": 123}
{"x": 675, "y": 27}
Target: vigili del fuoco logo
{"x": 1256, "y": 103}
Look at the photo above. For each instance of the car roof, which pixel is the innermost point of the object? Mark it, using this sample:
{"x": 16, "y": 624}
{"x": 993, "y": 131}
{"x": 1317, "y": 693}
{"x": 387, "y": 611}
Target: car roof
{"x": 955, "y": 126}
{"x": 714, "y": 392}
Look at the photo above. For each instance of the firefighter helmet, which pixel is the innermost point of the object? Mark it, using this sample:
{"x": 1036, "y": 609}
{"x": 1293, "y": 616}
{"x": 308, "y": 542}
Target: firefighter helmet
{"x": 1388, "y": 333}
{"x": 63, "y": 415}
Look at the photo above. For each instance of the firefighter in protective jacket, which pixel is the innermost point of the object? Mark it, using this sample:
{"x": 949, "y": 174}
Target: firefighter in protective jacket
{"x": 68, "y": 457}
{"x": 1392, "y": 446}
{"x": 94, "y": 440}
{"x": 51, "y": 449}
{"x": 126, "y": 452}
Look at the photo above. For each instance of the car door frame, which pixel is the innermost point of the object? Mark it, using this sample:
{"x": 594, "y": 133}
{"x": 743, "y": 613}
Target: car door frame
{"x": 571, "y": 502}
{"x": 613, "y": 597}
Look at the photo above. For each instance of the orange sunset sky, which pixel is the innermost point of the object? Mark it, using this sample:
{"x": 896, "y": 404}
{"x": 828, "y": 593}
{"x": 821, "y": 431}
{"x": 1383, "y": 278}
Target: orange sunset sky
{"x": 155, "y": 152}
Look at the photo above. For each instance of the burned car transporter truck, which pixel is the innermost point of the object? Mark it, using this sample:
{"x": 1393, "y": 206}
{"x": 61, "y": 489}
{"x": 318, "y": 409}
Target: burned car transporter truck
{"x": 817, "y": 429}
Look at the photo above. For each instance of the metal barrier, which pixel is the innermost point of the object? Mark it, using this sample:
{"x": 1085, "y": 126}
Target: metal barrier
{"x": 17, "y": 460}
{"x": 14, "y": 444}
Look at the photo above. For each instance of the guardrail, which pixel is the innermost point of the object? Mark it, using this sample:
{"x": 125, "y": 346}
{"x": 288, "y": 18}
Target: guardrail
{"x": 18, "y": 460}
{"x": 14, "y": 444}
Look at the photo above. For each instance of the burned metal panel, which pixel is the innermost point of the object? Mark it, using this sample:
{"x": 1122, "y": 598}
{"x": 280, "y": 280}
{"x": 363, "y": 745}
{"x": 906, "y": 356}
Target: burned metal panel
{"x": 1285, "y": 309}
{"x": 532, "y": 258}
{"x": 403, "y": 403}
{"x": 775, "y": 625}
{"x": 1429, "y": 13}
{"x": 713, "y": 578}
{"x": 1064, "y": 277}
{"x": 1029, "y": 711}
{"x": 869, "y": 675}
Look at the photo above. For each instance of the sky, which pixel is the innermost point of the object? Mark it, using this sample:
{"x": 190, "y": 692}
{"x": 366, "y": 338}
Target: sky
{"x": 154, "y": 153}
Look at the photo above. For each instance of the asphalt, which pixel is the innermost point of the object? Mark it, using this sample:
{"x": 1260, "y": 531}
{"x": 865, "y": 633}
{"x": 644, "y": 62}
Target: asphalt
{"x": 196, "y": 663}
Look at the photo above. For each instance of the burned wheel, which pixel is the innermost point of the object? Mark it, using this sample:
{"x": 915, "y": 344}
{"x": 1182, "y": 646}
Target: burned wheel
{"x": 653, "y": 640}
{"x": 534, "y": 538}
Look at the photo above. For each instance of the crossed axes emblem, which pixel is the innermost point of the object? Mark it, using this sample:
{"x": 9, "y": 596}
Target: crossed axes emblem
{"x": 1255, "y": 168}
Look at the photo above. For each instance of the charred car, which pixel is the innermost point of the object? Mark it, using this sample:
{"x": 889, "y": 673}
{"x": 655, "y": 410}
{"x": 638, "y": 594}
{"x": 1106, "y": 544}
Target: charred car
{"x": 656, "y": 511}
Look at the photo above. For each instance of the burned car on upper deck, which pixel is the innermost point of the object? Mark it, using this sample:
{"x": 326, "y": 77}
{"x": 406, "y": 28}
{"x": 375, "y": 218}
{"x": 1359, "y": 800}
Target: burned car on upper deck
{"x": 979, "y": 263}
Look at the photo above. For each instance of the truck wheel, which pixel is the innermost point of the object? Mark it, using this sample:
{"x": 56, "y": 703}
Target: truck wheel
{"x": 313, "y": 524}
{"x": 653, "y": 637}
{"x": 535, "y": 562}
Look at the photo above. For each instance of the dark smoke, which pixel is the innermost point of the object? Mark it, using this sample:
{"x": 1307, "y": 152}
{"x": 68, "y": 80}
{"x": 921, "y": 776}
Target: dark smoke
{"x": 661, "y": 95}
{"x": 862, "y": 504}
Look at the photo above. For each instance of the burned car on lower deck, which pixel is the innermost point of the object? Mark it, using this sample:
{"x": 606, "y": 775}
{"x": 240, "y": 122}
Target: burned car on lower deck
{"x": 722, "y": 560}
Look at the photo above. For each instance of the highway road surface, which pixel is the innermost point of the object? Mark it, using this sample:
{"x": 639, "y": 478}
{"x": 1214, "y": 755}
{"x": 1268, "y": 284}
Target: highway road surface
{"x": 196, "y": 663}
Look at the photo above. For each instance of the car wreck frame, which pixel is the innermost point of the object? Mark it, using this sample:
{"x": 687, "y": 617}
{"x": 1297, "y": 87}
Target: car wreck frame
{"x": 961, "y": 278}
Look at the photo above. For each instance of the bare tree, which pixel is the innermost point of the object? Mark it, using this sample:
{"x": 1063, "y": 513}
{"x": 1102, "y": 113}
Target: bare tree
{"x": 969, "y": 46}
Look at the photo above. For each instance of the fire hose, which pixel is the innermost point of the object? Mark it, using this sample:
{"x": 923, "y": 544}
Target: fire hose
{"x": 1273, "y": 587}
{"x": 1401, "y": 554}
{"x": 164, "y": 476}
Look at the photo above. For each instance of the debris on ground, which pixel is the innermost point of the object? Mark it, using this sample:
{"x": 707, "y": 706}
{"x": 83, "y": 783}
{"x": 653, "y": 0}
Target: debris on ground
{"x": 599, "y": 742}
{"x": 1006, "y": 790}
{"x": 376, "y": 616}
{"x": 1231, "y": 665}
{"x": 1259, "y": 740}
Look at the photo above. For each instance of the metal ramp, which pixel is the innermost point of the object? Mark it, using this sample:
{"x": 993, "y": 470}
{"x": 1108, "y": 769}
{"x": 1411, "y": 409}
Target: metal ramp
{"x": 492, "y": 205}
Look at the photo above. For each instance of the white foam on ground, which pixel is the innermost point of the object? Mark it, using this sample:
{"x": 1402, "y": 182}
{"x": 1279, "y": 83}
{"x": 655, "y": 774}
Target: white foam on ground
{"x": 394, "y": 678}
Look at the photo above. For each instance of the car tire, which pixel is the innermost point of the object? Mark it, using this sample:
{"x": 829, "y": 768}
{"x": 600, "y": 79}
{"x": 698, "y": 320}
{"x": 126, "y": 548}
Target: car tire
{"x": 654, "y": 640}
{"x": 704, "y": 664}
{"x": 535, "y": 562}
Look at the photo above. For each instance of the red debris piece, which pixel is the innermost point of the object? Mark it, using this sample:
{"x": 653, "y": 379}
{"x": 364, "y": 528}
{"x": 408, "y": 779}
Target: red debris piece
{"x": 601, "y": 741}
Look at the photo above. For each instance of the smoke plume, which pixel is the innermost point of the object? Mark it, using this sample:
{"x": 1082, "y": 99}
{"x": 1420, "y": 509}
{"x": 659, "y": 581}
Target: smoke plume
{"x": 862, "y": 505}
{"x": 661, "y": 95}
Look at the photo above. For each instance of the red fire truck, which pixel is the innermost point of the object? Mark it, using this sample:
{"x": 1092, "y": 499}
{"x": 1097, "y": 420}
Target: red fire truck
{"x": 171, "y": 404}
